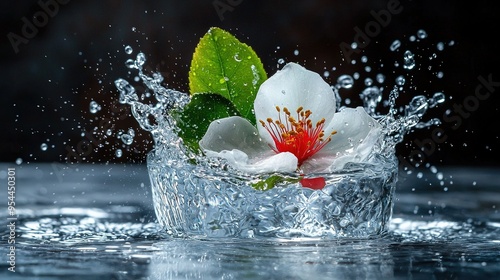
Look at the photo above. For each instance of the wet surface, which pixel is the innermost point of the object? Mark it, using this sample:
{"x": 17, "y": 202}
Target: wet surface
{"x": 97, "y": 222}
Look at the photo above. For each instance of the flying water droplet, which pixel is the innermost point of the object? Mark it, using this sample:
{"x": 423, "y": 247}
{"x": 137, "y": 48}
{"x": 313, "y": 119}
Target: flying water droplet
{"x": 128, "y": 50}
{"x": 94, "y": 107}
{"x": 421, "y": 34}
{"x": 400, "y": 80}
{"x": 118, "y": 153}
{"x": 395, "y": 45}
{"x": 345, "y": 81}
{"x": 43, "y": 147}
{"x": 409, "y": 60}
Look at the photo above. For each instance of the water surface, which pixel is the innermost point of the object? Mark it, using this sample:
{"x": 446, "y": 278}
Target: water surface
{"x": 97, "y": 222}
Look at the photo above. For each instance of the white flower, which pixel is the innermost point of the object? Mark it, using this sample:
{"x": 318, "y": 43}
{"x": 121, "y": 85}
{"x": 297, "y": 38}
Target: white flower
{"x": 298, "y": 128}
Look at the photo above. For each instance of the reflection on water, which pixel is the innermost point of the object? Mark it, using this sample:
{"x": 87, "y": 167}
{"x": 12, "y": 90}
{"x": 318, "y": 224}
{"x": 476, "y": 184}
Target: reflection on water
{"x": 94, "y": 225}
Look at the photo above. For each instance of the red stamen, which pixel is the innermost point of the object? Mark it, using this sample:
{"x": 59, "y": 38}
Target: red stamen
{"x": 296, "y": 135}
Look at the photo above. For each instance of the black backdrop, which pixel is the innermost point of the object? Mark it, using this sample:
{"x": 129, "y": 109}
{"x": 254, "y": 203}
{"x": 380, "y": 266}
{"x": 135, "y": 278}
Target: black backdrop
{"x": 50, "y": 74}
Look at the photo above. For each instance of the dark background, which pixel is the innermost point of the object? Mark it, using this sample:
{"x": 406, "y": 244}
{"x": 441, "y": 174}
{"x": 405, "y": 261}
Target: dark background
{"x": 76, "y": 56}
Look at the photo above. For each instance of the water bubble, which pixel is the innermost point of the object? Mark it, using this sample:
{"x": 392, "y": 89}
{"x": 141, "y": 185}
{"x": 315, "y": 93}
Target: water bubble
{"x": 140, "y": 59}
{"x": 127, "y": 139}
{"x": 128, "y": 50}
{"x": 439, "y": 176}
{"x": 94, "y": 107}
{"x": 354, "y": 45}
{"x": 130, "y": 63}
{"x": 109, "y": 132}
{"x": 364, "y": 59}
{"x": 380, "y": 78}
{"x": 409, "y": 60}
{"x": 440, "y": 74}
{"x": 440, "y": 46}
{"x": 43, "y": 147}
{"x": 281, "y": 61}
{"x": 417, "y": 106}
{"x": 395, "y": 45}
{"x": 413, "y": 38}
{"x": 118, "y": 153}
{"x": 326, "y": 74}
{"x": 400, "y": 80}
{"x": 371, "y": 96}
{"x": 433, "y": 169}
{"x": 421, "y": 34}
{"x": 345, "y": 81}
{"x": 296, "y": 52}
{"x": 368, "y": 82}
{"x": 439, "y": 97}
{"x": 19, "y": 161}
{"x": 368, "y": 69}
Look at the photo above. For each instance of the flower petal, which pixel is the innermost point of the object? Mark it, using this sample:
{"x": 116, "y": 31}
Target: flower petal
{"x": 357, "y": 133}
{"x": 282, "y": 162}
{"x": 236, "y": 140}
{"x": 294, "y": 86}
{"x": 233, "y": 133}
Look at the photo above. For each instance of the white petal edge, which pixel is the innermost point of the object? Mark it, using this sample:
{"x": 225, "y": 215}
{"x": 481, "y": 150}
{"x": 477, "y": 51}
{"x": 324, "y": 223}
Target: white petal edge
{"x": 233, "y": 133}
{"x": 282, "y": 162}
{"x": 294, "y": 86}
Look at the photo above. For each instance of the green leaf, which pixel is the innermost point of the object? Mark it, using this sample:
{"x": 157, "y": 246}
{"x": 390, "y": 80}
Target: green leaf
{"x": 194, "y": 119}
{"x": 272, "y": 181}
{"x": 222, "y": 64}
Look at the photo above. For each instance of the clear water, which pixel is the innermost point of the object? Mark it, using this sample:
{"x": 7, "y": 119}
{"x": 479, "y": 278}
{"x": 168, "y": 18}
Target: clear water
{"x": 98, "y": 222}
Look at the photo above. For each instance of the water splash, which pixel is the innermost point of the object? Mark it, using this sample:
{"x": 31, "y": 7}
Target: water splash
{"x": 228, "y": 195}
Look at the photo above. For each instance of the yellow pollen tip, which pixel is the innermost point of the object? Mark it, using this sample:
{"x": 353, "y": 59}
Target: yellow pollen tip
{"x": 300, "y": 109}
{"x": 269, "y": 120}
{"x": 278, "y": 109}
{"x": 334, "y": 132}
{"x": 262, "y": 123}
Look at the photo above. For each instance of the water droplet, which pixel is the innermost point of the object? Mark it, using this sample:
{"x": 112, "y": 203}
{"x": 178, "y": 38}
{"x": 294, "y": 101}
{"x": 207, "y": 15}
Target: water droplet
{"x": 440, "y": 74}
{"x": 400, "y": 80}
{"x": 413, "y": 38}
{"x": 281, "y": 61}
{"x": 345, "y": 81}
{"x": 140, "y": 59}
{"x": 326, "y": 74}
{"x": 439, "y": 97}
{"x": 118, "y": 153}
{"x": 296, "y": 52}
{"x": 364, "y": 59}
{"x": 368, "y": 69}
{"x": 94, "y": 107}
{"x": 128, "y": 50}
{"x": 368, "y": 82}
{"x": 371, "y": 96}
{"x": 421, "y": 34}
{"x": 439, "y": 176}
{"x": 380, "y": 78}
{"x": 127, "y": 139}
{"x": 19, "y": 161}
{"x": 109, "y": 132}
{"x": 440, "y": 46}
{"x": 409, "y": 60}
{"x": 130, "y": 63}
{"x": 237, "y": 58}
{"x": 43, "y": 147}
{"x": 395, "y": 45}
{"x": 354, "y": 45}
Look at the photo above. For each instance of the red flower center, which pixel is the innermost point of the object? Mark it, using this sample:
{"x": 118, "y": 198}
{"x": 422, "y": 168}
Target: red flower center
{"x": 296, "y": 135}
